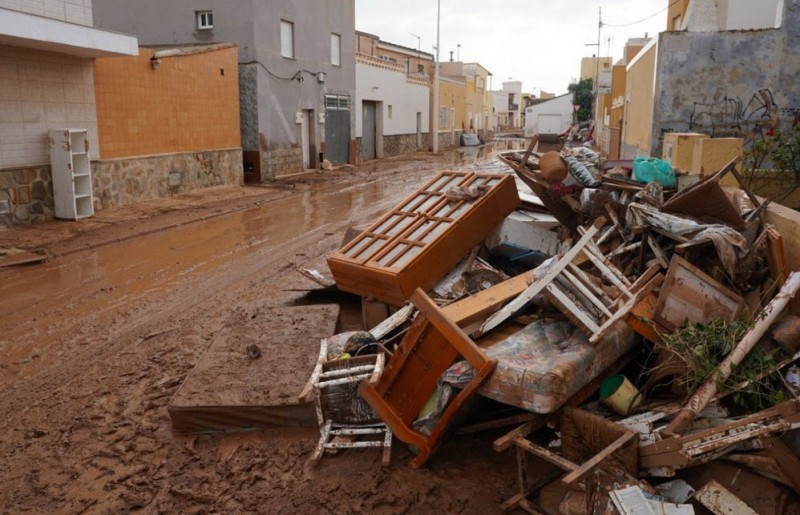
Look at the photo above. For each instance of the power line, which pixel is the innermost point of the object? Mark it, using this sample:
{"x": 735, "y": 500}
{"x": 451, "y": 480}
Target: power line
{"x": 643, "y": 19}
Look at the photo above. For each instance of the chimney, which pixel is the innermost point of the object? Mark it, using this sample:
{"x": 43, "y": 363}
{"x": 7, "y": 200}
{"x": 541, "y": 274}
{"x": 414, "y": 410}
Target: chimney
{"x": 451, "y": 56}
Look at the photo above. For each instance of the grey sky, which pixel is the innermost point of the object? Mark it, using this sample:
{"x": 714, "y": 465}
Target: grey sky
{"x": 536, "y": 41}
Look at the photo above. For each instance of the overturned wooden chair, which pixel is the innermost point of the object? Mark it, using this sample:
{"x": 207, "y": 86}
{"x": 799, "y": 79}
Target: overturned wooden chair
{"x": 578, "y": 296}
{"x": 346, "y": 421}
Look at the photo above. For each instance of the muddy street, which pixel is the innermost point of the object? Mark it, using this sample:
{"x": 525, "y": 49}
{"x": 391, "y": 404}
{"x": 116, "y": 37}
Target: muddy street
{"x": 95, "y": 342}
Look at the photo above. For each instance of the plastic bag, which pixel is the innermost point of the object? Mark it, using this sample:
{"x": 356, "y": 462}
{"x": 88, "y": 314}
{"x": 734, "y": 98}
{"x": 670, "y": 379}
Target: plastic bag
{"x": 649, "y": 169}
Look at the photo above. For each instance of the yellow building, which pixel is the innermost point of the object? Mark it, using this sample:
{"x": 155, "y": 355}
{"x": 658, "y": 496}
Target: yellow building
{"x": 479, "y": 101}
{"x": 594, "y": 67}
{"x": 637, "y": 122}
{"x": 611, "y": 106}
{"x": 676, "y": 14}
{"x": 452, "y": 117}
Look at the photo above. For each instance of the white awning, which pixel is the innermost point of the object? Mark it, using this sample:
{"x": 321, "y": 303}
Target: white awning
{"x": 31, "y": 31}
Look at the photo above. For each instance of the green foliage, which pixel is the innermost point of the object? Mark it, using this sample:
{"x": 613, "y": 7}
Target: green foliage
{"x": 582, "y": 95}
{"x": 778, "y": 151}
{"x": 701, "y": 347}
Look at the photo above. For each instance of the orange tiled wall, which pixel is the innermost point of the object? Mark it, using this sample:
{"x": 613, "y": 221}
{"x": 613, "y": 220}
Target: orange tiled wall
{"x": 188, "y": 103}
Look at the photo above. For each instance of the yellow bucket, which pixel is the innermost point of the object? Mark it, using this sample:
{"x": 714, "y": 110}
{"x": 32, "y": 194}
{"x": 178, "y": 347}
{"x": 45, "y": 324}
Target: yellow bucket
{"x": 619, "y": 394}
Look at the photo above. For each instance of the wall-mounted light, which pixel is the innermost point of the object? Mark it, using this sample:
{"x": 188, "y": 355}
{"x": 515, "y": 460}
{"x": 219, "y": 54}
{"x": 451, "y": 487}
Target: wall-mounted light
{"x": 321, "y": 77}
{"x": 154, "y": 62}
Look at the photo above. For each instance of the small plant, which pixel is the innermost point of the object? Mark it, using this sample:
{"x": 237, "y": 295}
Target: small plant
{"x": 774, "y": 159}
{"x": 701, "y": 347}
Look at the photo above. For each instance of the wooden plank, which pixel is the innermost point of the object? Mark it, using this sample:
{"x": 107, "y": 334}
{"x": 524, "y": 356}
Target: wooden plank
{"x": 578, "y": 474}
{"x": 776, "y": 256}
{"x": 690, "y": 294}
{"x": 549, "y": 456}
{"x": 14, "y": 257}
{"x": 722, "y": 501}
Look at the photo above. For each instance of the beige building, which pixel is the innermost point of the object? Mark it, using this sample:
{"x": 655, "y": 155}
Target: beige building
{"x": 478, "y": 101}
{"x": 638, "y": 103}
{"x": 610, "y": 108}
{"x": 598, "y": 69}
{"x": 451, "y": 120}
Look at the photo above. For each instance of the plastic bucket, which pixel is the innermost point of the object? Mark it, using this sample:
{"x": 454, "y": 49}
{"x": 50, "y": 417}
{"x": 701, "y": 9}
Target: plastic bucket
{"x": 619, "y": 394}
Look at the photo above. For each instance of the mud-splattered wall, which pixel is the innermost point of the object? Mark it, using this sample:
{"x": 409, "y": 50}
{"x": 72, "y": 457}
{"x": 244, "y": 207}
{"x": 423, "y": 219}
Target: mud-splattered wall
{"x": 732, "y": 83}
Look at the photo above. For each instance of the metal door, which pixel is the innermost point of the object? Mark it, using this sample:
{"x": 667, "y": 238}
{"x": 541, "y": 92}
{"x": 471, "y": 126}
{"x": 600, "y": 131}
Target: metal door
{"x": 369, "y": 128}
{"x": 337, "y": 128}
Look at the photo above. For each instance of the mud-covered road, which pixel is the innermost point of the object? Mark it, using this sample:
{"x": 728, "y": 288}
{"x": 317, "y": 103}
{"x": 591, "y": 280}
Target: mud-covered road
{"x": 94, "y": 342}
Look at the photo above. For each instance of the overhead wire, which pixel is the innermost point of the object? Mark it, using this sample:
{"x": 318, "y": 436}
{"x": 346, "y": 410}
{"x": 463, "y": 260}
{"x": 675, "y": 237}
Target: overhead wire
{"x": 643, "y": 19}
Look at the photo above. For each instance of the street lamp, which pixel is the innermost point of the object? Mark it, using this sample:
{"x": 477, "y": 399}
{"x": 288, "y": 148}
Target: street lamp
{"x": 435, "y": 117}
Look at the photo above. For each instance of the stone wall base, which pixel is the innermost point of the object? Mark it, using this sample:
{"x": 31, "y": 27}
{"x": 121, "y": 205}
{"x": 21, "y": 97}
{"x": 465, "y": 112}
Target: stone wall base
{"x": 26, "y": 194}
{"x": 124, "y": 181}
{"x": 281, "y": 161}
{"x": 395, "y": 145}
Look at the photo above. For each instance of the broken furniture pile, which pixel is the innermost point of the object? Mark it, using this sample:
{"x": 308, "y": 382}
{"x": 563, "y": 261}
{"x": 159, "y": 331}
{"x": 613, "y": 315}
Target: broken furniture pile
{"x": 538, "y": 299}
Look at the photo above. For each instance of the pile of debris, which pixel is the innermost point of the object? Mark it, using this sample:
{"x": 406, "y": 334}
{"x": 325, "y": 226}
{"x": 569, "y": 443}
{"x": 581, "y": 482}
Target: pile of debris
{"x": 500, "y": 299}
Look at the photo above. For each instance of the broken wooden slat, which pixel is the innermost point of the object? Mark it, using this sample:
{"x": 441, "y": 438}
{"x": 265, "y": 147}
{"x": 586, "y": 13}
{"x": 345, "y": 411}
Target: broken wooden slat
{"x": 721, "y": 501}
{"x": 578, "y": 474}
{"x": 528, "y": 446}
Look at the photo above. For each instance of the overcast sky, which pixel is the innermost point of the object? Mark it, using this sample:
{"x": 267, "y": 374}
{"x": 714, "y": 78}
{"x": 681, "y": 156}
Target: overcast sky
{"x": 539, "y": 42}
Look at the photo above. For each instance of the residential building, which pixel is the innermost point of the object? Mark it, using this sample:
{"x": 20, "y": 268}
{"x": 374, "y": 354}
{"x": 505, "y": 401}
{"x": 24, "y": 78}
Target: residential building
{"x": 46, "y": 82}
{"x": 637, "y": 121}
{"x": 296, "y": 70}
{"x": 168, "y": 122}
{"x": 508, "y": 106}
{"x": 599, "y": 70}
{"x": 721, "y": 81}
{"x": 549, "y": 118}
{"x": 393, "y": 97}
{"x": 478, "y": 99}
{"x": 452, "y": 116}
{"x": 609, "y": 110}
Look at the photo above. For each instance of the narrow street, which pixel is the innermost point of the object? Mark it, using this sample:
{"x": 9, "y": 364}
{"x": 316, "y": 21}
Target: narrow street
{"x": 95, "y": 342}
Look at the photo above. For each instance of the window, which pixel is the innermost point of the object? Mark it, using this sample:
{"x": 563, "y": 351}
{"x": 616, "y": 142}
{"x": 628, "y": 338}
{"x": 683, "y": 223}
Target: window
{"x": 205, "y": 20}
{"x": 390, "y": 111}
{"x": 443, "y": 118}
{"x": 287, "y": 39}
{"x": 336, "y": 49}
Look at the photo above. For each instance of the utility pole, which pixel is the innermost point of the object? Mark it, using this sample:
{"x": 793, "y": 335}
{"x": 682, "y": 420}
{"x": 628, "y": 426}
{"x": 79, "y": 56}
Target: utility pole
{"x": 435, "y": 117}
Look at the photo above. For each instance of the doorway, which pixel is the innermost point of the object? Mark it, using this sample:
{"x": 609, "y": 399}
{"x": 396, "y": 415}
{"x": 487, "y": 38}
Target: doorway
{"x": 370, "y": 129}
{"x": 419, "y": 131}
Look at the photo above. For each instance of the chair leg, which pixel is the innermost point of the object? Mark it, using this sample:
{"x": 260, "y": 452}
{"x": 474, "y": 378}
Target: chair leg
{"x": 387, "y": 448}
{"x": 323, "y": 440}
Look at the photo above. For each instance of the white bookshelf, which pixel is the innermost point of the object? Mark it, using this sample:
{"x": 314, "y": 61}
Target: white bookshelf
{"x": 72, "y": 173}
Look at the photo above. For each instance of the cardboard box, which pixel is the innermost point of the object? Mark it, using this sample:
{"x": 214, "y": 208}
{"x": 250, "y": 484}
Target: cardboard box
{"x": 679, "y": 149}
{"x": 712, "y": 154}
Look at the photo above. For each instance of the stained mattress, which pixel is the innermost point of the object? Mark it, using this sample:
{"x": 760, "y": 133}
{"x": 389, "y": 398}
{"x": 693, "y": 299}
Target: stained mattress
{"x": 540, "y": 367}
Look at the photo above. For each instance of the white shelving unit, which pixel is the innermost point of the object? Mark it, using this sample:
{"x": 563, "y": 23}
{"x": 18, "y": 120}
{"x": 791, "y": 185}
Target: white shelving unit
{"x": 72, "y": 174}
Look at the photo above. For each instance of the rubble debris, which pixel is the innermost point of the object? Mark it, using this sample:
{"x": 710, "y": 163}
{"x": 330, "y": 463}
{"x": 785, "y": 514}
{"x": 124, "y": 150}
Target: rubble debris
{"x": 709, "y": 388}
{"x": 676, "y": 452}
{"x": 690, "y": 295}
{"x": 721, "y": 501}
